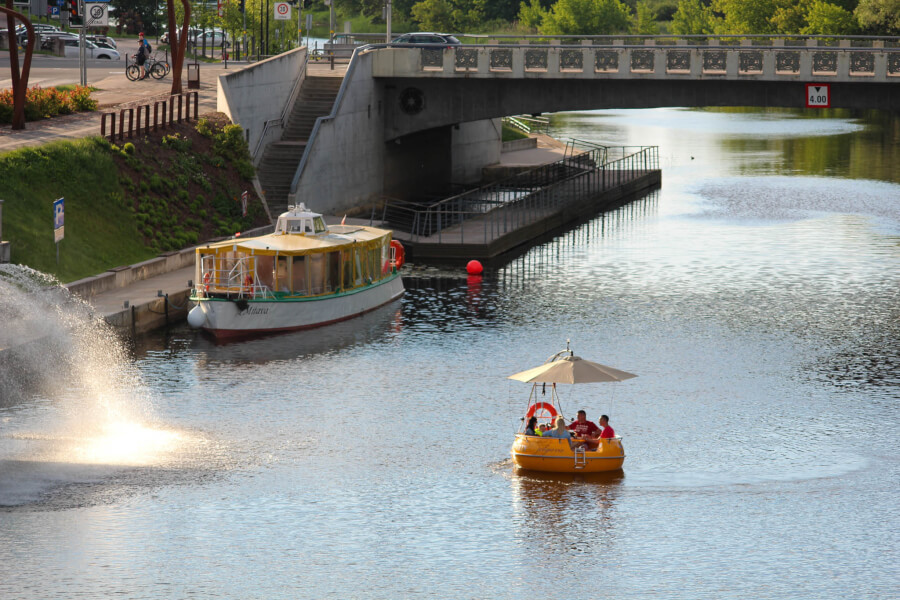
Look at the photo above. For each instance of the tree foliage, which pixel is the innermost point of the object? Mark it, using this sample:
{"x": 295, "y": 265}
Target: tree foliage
{"x": 692, "y": 18}
{"x": 879, "y": 16}
{"x": 743, "y": 17}
{"x": 587, "y": 17}
{"x": 829, "y": 19}
{"x": 531, "y": 16}
{"x": 644, "y": 21}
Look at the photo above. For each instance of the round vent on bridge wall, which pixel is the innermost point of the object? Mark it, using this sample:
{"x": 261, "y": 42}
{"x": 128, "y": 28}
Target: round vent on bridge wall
{"x": 412, "y": 101}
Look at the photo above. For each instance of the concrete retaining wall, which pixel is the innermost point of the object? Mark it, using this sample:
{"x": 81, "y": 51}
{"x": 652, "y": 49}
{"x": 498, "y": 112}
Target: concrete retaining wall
{"x": 260, "y": 93}
{"x": 122, "y": 276}
{"x": 522, "y": 144}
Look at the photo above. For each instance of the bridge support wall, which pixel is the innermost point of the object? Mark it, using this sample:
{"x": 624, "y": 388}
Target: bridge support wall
{"x": 350, "y": 163}
{"x": 259, "y": 94}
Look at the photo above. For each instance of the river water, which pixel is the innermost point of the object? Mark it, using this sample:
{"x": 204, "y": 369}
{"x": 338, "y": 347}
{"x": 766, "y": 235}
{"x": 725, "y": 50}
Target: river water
{"x": 755, "y": 295}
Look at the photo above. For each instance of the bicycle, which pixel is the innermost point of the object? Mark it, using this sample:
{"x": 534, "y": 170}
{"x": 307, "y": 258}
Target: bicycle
{"x": 156, "y": 68}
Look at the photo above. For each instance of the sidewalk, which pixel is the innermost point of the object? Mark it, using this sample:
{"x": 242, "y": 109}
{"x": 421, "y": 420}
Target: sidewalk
{"x": 114, "y": 92}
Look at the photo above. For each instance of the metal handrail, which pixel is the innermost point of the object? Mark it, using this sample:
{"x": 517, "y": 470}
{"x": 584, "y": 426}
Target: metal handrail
{"x": 287, "y": 107}
{"x": 528, "y": 199}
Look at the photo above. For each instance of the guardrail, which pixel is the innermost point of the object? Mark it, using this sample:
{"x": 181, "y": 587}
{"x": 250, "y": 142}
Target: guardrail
{"x": 525, "y": 198}
{"x": 765, "y": 57}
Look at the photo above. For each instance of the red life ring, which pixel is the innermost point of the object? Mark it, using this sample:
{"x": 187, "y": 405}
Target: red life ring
{"x": 206, "y": 281}
{"x": 248, "y": 285}
{"x": 399, "y": 253}
{"x": 542, "y": 406}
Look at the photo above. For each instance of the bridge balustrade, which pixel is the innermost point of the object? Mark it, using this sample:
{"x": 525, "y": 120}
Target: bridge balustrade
{"x": 761, "y": 57}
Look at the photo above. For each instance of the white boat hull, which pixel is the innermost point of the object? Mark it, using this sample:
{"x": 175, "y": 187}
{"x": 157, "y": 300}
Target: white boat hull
{"x": 230, "y": 319}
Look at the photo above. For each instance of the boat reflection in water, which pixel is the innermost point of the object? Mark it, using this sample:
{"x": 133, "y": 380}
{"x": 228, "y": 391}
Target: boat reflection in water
{"x": 566, "y": 513}
{"x": 380, "y": 323}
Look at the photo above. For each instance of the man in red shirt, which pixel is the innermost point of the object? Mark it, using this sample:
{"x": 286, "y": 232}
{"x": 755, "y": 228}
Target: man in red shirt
{"x": 608, "y": 432}
{"x": 583, "y": 428}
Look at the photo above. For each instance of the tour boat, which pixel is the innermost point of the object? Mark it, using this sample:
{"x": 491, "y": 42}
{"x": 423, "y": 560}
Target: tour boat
{"x": 537, "y": 453}
{"x": 303, "y": 275}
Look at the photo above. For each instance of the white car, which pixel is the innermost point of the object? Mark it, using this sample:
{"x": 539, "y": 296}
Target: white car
{"x": 91, "y": 50}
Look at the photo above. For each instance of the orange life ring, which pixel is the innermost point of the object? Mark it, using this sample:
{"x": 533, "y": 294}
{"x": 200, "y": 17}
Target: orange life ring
{"x": 206, "y": 281}
{"x": 248, "y": 285}
{"x": 399, "y": 253}
{"x": 543, "y": 406}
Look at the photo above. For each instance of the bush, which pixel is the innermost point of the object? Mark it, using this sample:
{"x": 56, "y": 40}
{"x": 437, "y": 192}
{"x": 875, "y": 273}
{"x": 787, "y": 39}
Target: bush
{"x": 41, "y": 103}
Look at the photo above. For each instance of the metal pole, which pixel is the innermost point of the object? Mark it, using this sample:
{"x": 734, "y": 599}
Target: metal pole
{"x": 387, "y": 38}
{"x": 82, "y": 65}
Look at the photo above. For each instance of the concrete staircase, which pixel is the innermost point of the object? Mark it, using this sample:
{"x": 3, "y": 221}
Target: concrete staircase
{"x": 281, "y": 159}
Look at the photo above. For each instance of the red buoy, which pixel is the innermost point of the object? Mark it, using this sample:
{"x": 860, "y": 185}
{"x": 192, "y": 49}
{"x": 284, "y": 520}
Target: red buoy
{"x": 474, "y": 268}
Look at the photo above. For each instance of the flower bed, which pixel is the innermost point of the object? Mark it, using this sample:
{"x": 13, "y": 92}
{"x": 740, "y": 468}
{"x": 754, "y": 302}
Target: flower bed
{"x": 44, "y": 103}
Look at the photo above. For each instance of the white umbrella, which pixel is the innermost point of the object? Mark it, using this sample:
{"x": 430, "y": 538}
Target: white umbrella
{"x": 571, "y": 369}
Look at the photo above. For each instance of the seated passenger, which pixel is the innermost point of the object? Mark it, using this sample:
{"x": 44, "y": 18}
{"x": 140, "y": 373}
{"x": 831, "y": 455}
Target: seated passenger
{"x": 532, "y": 428}
{"x": 560, "y": 431}
{"x": 584, "y": 428}
{"x": 608, "y": 432}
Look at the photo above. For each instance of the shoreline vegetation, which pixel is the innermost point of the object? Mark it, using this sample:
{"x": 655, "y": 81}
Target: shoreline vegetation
{"x": 126, "y": 204}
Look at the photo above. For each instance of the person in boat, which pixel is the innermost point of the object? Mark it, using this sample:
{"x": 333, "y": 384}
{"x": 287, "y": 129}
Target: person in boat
{"x": 560, "y": 431}
{"x": 608, "y": 432}
{"x": 532, "y": 427}
{"x": 583, "y": 428}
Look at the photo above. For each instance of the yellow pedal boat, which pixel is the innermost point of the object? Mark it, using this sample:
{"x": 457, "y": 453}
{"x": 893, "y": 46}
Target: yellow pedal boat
{"x": 556, "y": 455}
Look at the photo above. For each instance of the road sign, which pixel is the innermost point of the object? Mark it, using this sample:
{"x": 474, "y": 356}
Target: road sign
{"x": 59, "y": 219}
{"x": 220, "y": 8}
{"x": 244, "y": 198}
{"x": 282, "y": 11}
{"x": 308, "y": 21}
{"x": 96, "y": 14}
{"x": 818, "y": 95}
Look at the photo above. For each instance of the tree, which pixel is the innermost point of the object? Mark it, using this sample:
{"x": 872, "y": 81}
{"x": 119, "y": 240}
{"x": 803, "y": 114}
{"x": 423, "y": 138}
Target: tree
{"x": 137, "y": 15}
{"x": 790, "y": 15}
{"x": 644, "y": 22}
{"x": 879, "y": 16}
{"x": 587, "y": 17}
{"x": 824, "y": 18}
{"x": 743, "y": 17}
{"x": 434, "y": 15}
{"x": 692, "y": 18}
{"x": 531, "y": 15}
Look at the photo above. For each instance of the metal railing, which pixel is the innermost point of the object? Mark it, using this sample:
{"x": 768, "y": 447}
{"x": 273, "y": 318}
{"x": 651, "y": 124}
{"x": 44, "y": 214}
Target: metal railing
{"x": 527, "y": 123}
{"x": 494, "y": 210}
{"x": 235, "y": 281}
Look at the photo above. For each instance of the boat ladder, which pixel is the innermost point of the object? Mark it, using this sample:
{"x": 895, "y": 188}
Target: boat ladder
{"x": 580, "y": 458}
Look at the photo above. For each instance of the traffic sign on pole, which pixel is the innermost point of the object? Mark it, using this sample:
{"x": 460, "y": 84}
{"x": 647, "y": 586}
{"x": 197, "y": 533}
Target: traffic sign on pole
{"x": 282, "y": 11}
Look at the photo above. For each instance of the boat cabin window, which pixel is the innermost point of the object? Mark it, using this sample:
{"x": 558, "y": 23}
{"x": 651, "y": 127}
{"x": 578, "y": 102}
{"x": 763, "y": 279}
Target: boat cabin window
{"x": 347, "y": 255}
{"x": 281, "y": 274}
{"x": 358, "y": 265}
{"x": 324, "y": 272}
{"x": 265, "y": 271}
{"x": 319, "y": 224}
{"x": 298, "y": 275}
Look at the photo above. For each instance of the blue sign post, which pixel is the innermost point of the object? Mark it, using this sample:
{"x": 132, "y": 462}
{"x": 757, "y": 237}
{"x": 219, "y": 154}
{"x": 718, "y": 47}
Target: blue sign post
{"x": 59, "y": 221}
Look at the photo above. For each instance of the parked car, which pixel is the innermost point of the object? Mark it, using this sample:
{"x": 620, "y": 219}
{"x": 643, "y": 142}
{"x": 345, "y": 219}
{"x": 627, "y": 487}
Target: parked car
{"x": 104, "y": 41}
{"x": 442, "y": 39}
{"x": 212, "y": 39}
{"x": 192, "y": 35}
{"x": 39, "y": 29}
{"x": 91, "y": 50}
{"x": 48, "y": 39}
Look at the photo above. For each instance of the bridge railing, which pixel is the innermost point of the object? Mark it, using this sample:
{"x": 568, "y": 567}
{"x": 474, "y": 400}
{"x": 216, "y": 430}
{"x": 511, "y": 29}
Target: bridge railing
{"x": 491, "y": 211}
{"x": 766, "y": 57}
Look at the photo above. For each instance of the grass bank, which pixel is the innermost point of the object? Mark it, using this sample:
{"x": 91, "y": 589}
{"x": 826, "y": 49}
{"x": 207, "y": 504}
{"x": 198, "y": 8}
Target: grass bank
{"x": 125, "y": 204}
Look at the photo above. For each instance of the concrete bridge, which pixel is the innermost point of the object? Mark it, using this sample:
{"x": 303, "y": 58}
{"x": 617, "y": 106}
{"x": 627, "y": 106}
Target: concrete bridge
{"x": 407, "y": 119}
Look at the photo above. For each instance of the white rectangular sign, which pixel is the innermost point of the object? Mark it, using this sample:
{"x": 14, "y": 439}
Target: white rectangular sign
{"x": 818, "y": 95}
{"x": 282, "y": 11}
{"x": 96, "y": 14}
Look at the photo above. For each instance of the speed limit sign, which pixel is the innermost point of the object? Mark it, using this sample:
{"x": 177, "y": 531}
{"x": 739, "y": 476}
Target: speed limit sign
{"x": 282, "y": 11}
